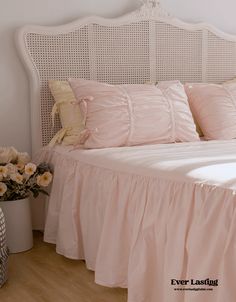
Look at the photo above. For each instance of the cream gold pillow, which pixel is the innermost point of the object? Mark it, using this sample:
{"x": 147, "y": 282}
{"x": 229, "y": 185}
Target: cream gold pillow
{"x": 69, "y": 112}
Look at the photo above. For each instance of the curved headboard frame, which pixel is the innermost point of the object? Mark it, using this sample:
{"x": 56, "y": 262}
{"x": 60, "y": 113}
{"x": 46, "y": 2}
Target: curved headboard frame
{"x": 145, "y": 45}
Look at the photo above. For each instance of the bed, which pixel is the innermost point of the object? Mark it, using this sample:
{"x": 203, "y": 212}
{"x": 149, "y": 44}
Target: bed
{"x": 142, "y": 217}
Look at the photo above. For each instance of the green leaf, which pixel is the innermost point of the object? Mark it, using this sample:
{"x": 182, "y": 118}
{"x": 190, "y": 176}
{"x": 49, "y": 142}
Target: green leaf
{"x": 43, "y": 191}
{"x": 35, "y": 192}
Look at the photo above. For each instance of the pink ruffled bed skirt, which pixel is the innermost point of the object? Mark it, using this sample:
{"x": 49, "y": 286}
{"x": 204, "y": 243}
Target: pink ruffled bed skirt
{"x": 141, "y": 231}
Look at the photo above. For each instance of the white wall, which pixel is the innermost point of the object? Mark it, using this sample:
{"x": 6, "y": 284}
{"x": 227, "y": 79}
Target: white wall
{"x": 14, "y": 96}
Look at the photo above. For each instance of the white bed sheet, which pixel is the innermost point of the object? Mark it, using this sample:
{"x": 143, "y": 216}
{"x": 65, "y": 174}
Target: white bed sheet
{"x": 141, "y": 216}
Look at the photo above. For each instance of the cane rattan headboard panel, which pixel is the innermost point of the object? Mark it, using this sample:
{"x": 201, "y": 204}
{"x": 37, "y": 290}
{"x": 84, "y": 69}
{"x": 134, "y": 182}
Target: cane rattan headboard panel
{"x": 146, "y": 45}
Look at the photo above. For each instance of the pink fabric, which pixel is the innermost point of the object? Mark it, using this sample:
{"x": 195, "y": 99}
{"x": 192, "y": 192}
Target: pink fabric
{"x": 126, "y": 115}
{"x": 214, "y": 107}
{"x": 141, "y": 216}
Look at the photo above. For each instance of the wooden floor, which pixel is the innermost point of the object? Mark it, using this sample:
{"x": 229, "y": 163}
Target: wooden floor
{"x": 40, "y": 275}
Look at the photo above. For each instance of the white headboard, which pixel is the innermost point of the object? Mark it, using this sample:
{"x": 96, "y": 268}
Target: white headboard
{"x": 146, "y": 45}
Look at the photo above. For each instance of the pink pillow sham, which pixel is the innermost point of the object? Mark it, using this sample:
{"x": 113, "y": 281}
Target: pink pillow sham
{"x": 214, "y": 108}
{"x": 133, "y": 114}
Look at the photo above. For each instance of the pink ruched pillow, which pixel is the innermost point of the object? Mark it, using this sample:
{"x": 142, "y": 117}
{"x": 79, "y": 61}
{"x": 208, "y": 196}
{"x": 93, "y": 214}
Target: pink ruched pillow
{"x": 214, "y": 108}
{"x": 133, "y": 114}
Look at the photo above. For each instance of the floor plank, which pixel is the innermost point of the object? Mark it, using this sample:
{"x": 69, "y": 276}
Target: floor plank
{"x": 41, "y": 275}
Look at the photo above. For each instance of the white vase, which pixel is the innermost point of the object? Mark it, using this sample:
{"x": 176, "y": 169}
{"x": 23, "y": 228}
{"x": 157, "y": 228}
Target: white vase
{"x": 18, "y": 224}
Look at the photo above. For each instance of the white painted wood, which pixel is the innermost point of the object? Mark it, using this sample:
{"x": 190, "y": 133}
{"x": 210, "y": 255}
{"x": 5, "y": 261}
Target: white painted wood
{"x": 145, "y": 45}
